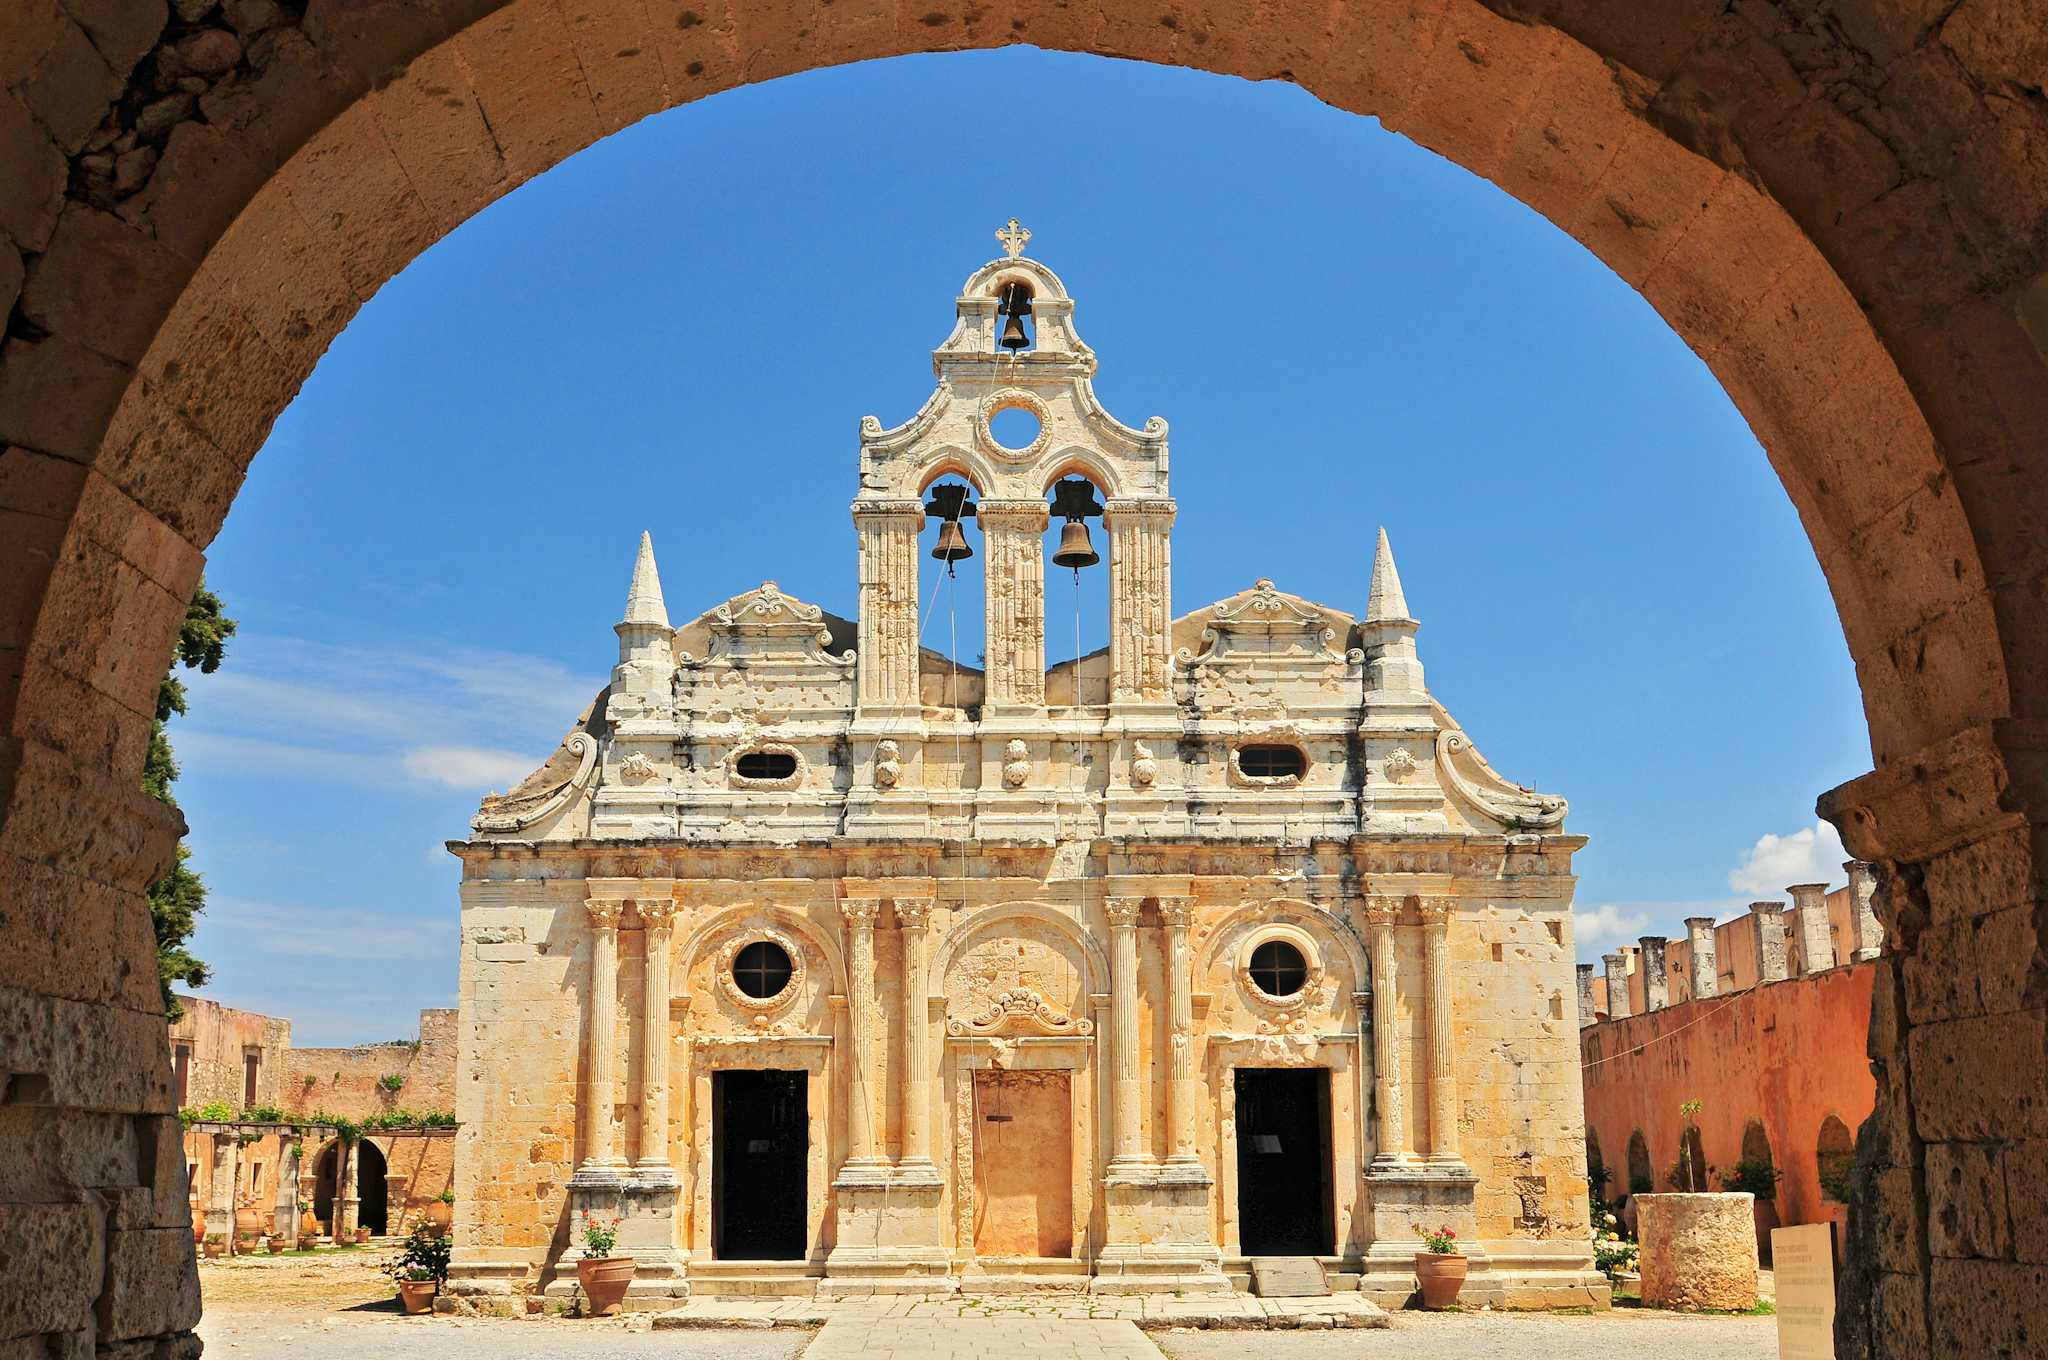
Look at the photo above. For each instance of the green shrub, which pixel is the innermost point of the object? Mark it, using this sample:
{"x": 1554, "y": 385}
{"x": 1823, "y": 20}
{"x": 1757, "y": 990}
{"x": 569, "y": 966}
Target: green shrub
{"x": 1758, "y": 1178}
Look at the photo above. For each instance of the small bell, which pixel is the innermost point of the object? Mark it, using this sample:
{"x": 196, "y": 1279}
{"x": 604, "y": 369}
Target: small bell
{"x": 1076, "y": 550}
{"x": 952, "y": 545}
{"x": 1014, "y": 337}
{"x": 1014, "y": 303}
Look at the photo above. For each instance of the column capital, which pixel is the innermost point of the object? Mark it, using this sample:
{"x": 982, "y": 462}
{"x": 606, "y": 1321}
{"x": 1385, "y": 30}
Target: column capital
{"x": 1134, "y": 507}
{"x": 1437, "y": 911}
{"x": 913, "y": 913}
{"x": 658, "y": 913}
{"x": 1382, "y": 910}
{"x": 882, "y": 511}
{"x": 859, "y": 913}
{"x": 1122, "y": 911}
{"x": 1033, "y": 514}
{"x": 1176, "y": 913}
{"x": 604, "y": 912}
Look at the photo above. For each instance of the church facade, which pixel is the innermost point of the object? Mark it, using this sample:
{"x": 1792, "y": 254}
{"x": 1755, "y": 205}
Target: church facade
{"x": 829, "y": 965}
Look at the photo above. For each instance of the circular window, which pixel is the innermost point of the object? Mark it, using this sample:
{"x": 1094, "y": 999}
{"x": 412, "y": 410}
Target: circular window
{"x": 1278, "y": 969}
{"x": 1014, "y": 428}
{"x": 762, "y": 969}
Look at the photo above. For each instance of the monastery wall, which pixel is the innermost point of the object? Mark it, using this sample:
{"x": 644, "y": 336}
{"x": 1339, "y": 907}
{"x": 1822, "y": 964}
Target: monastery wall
{"x": 349, "y": 1081}
{"x": 218, "y": 1041}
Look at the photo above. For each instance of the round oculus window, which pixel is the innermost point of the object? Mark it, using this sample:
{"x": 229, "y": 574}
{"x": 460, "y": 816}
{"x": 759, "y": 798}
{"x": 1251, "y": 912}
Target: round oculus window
{"x": 761, "y": 970}
{"x": 1278, "y": 969}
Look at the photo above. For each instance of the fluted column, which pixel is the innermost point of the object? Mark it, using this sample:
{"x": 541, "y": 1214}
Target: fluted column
{"x": 1183, "y": 1092}
{"x": 1706, "y": 967}
{"x": 1617, "y": 985}
{"x": 1863, "y": 910}
{"x": 600, "y": 1156}
{"x": 1128, "y": 1088}
{"x": 1014, "y": 602}
{"x": 1140, "y": 599}
{"x": 1381, "y": 914}
{"x": 888, "y": 603}
{"x": 913, "y": 920}
{"x": 1440, "y": 1003}
{"x": 658, "y": 919}
{"x": 860, "y": 1018}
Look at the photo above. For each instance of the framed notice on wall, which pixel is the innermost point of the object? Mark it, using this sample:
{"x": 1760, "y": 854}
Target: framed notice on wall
{"x": 1804, "y": 1261}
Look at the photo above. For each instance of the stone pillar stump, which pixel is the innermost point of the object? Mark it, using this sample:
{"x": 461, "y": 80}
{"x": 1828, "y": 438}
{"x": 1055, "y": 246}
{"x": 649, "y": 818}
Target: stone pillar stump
{"x": 1698, "y": 1251}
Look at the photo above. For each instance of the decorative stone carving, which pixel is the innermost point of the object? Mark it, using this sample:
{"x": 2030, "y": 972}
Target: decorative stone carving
{"x": 744, "y": 935}
{"x": 1144, "y": 769}
{"x": 1021, "y": 1012}
{"x": 503, "y": 813}
{"x": 1398, "y": 765}
{"x": 636, "y": 768}
{"x": 1274, "y": 736}
{"x": 1012, "y": 399}
{"x": 1016, "y": 763}
{"x": 888, "y": 765}
{"x": 794, "y": 779}
{"x": 1513, "y": 805}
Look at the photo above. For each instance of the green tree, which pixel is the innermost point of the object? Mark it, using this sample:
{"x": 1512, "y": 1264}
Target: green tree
{"x": 176, "y": 899}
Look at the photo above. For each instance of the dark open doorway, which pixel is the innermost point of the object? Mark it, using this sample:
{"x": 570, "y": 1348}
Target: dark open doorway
{"x": 760, "y": 1141}
{"x": 1284, "y": 1204}
{"x": 372, "y": 1189}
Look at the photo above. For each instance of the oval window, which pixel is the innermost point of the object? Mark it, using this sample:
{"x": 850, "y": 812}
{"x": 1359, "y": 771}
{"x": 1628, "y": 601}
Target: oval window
{"x": 1272, "y": 762}
{"x": 1278, "y": 969}
{"x": 762, "y": 969}
{"x": 765, "y": 765}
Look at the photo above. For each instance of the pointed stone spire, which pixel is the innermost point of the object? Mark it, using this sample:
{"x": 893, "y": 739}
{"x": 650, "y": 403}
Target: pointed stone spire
{"x": 1387, "y": 631}
{"x": 644, "y": 604}
{"x": 1385, "y": 603}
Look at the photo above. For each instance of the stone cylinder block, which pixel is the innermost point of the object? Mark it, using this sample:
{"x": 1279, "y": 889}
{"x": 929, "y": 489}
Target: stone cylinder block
{"x": 1698, "y": 1251}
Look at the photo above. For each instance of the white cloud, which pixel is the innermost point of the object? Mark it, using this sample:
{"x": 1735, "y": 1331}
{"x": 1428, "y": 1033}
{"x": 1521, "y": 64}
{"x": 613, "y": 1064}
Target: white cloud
{"x": 1608, "y": 925}
{"x": 1606, "y": 922}
{"x": 296, "y": 931}
{"x": 469, "y": 767}
{"x": 1811, "y": 855}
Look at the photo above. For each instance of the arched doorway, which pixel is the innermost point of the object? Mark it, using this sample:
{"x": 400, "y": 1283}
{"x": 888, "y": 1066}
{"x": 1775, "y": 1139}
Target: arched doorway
{"x": 1642, "y": 1180}
{"x": 1835, "y": 1159}
{"x": 372, "y": 1188}
{"x": 326, "y": 1173}
{"x": 1882, "y": 330}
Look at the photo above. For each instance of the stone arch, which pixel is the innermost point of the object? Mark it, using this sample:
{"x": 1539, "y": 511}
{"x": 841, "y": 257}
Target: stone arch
{"x": 1756, "y": 1145}
{"x": 1864, "y": 275}
{"x": 723, "y": 921}
{"x": 972, "y": 927}
{"x": 1689, "y": 1169}
{"x": 1642, "y": 1178}
{"x": 1834, "y": 1158}
{"x": 373, "y": 1187}
{"x": 969, "y": 466}
{"x": 1334, "y": 927}
{"x": 1074, "y": 460}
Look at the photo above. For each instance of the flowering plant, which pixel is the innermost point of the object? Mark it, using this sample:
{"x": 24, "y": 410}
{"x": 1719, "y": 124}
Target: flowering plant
{"x": 600, "y": 1235}
{"x": 1441, "y": 1241}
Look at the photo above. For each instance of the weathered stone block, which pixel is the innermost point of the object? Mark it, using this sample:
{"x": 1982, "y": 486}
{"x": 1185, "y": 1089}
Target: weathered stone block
{"x": 53, "y": 1266}
{"x": 1979, "y": 1079}
{"x": 1897, "y": 1220}
{"x": 1966, "y": 1201}
{"x": 152, "y": 1284}
{"x": 1698, "y": 1251}
{"x": 2026, "y": 1173}
{"x": 1899, "y": 1317}
{"x": 1986, "y": 1308}
{"x": 1941, "y": 973}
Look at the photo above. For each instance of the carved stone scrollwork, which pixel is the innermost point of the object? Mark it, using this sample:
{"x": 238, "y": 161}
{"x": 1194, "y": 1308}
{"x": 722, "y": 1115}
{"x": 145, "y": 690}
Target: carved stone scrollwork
{"x": 1177, "y": 913}
{"x": 1021, "y": 1011}
{"x": 1383, "y": 910}
{"x": 1510, "y": 804}
{"x": 1398, "y": 765}
{"x": 1437, "y": 910}
{"x": 495, "y": 817}
{"x": 658, "y": 913}
{"x": 794, "y": 779}
{"x": 913, "y": 913}
{"x": 1012, "y": 399}
{"x": 636, "y": 768}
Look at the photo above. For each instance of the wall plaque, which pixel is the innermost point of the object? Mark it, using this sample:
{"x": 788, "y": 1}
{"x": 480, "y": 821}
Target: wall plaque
{"x": 1804, "y": 1261}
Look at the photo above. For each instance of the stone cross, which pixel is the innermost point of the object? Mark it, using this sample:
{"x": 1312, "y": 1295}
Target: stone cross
{"x": 1013, "y": 238}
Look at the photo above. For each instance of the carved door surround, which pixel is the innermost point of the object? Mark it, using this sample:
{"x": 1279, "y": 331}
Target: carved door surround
{"x": 1337, "y": 1051}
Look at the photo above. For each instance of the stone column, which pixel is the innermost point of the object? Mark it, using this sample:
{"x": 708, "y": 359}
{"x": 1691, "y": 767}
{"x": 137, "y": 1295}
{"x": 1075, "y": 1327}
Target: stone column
{"x": 888, "y": 603}
{"x": 284, "y": 1201}
{"x": 913, "y": 921}
{"x": 220, "y": 1199}
{"x": 1617, "y": 985}
{"x": 658, "y": 921}
{"x": 1587, "y": 1015}
{"x": 1770, "y": 940}
{"x": 1656, "y": 983}
{"x": 1706, "y": 976}
{"x": 347, "y": 1199}
{"x": 1810, "y": 916}
{"x": 1380, "y": 915}
{"x": 600, "y": 1157}
{"x": 862, "y": 1151}
{"x": 1863, "y": 910}
{"x": 1128, "y": 1088}
{"x": 1140, "y": 599}
{"x": 1183, "y": 1091}
{"x": 1014, "y": 603}
{"x": 1440, "y": 1003}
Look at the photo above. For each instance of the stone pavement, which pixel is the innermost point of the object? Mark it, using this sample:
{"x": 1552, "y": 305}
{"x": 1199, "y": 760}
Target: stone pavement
{"x": 1152, "y": 1312}
{"x": 976, "y": 1338}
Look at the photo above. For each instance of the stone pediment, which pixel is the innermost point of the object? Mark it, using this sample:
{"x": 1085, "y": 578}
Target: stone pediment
{"x": 765, "y": 624}
{"x": 1264, "y": 621}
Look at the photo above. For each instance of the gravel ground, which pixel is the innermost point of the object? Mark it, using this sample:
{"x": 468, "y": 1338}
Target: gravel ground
{"x": 1498, "y": 1336}
{"x": 388, "y": 1337}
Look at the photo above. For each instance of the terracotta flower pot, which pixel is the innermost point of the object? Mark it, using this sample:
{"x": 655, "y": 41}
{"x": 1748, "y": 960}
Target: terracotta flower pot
{"x": 442, "y": 1216}
{"x": 248, "y": 1222}
{"x": 604, "y": 1282}
{"x": 276, "y": 1246}
{"x": 198, "y": 1225}
{"x": 309, "y": 1226}
{"x": 1441, "y": 1275}
{"x": 215, "y": 1248}
{"x": 362, "y": 1236}
{"x": 416, "y": 1296}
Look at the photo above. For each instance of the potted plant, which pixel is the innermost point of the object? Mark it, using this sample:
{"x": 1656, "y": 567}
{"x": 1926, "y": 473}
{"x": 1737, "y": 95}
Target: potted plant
{"x": 1439, "y": 1266}
{"x": 362, "y": 1233}
{"x": 441, "y": 1213}
{"x": 604, "y": 1277}
{"x": 421, "y": 1268}
{"x": 309, "y": 1226}
{"x": 1758, "y": 1178}
{"x": 198, "y": 1224}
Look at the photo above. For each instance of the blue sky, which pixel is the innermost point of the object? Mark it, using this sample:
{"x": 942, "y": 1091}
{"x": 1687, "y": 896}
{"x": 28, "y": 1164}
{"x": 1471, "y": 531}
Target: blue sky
{"x": 680, "y": 328}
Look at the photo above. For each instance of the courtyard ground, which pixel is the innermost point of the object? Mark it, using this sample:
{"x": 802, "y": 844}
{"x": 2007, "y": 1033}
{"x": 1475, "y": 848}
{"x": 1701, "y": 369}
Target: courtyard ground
{"x": 282, "y": 1308}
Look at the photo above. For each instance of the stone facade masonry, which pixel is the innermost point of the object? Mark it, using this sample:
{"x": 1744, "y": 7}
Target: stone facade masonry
{"x": 1049, "y": 883}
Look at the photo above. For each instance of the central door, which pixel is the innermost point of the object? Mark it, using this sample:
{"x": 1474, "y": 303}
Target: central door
{"x": 760, "y": 1145}
{"x": 1023, "y": 1165}
{"x": 1284, "y": 1205}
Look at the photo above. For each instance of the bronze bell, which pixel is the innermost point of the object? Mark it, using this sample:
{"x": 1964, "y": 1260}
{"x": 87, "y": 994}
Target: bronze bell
{"x": 952, "y": 545}
{"x": 1075, "y": 550}
{"x": 1014, "y": 337}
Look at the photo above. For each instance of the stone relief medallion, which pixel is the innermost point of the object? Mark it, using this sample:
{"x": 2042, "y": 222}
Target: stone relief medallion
{"x": 636, "y": 768}
{"x": 1144, "y": 769}
{"x": 888, "y": 765}
{"x": 729, "y": 986}
{"x": 1012, "y": 399}
{"x": 1398, "y": 765}
{"x": 1016, "y": 764}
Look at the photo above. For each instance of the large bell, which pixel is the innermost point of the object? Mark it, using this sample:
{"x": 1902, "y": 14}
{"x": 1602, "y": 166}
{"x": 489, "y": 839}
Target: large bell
{"x": 1076, "y": 550}
{"x": 952, "y": 545}
{"x": 1013, "y": 337}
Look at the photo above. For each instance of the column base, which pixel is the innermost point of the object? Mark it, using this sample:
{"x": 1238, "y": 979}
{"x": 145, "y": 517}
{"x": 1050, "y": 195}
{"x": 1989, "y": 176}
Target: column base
{"x": 1405, "y": 1191}
{"x": 887, "y": 1233}
{"x": 1157, "y": 1227}
{"x": 644, "y": 1201}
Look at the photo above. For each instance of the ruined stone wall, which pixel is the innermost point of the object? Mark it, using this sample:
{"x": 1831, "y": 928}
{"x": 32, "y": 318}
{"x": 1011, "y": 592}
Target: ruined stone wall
{"x": 349, "y": 1081}
{"x": 220, "y": 1038}
{"x": 1786, "y": 1053}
